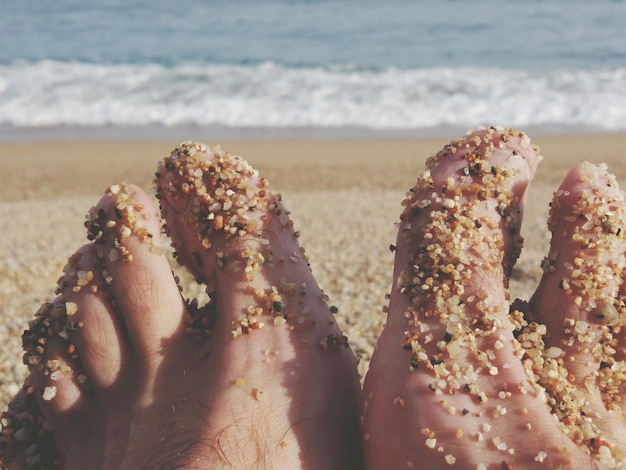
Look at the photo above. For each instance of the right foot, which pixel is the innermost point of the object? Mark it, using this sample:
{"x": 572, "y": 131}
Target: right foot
{"x": 131, "y": 376}
{"x": 455, "y": 380}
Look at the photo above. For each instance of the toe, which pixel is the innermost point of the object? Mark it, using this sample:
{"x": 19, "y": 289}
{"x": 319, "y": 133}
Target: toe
{"x": 273, "y": 328}
{"x": 47, "y": 395}
{"x": 234, "y": 233}
{"x": 26, "y": 441}
{"x": 96, "y": 351}
{"x": 583, "y": 270}
{"x": 55, "y": 376}
{"x": 126, "y": 230}
{"x": 53, "y": 391}
{"x": 92, "y": 327}
{"x": 446, "y": 369}
{"x": 580, "y": 303}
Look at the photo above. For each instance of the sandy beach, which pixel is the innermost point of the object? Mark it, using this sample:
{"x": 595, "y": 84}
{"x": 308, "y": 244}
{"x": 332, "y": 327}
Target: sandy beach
{"x": 344, "y": 195}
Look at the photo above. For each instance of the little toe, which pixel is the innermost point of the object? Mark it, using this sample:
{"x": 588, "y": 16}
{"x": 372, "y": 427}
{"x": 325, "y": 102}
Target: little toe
{"x": 579, "y": 300}
{"x": 446, "y": 384}
{"x": 26, "y": 440}
{"x": 73, "y": 345}
{"x": 55, "y": 371}
{"x": 48, "y": 394}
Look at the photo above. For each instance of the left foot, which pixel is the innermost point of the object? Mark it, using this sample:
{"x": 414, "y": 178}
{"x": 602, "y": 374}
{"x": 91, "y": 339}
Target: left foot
{"x": 131, "y": 376}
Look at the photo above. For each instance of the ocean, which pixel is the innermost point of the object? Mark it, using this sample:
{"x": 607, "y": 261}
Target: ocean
{"x": 235, "y": 68}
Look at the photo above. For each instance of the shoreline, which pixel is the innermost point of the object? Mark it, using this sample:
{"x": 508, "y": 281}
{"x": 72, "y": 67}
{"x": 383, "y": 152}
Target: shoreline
{"x": 43, "y": 168}
{"x": 156, "y": 132}
{"x": 345, "y": 196}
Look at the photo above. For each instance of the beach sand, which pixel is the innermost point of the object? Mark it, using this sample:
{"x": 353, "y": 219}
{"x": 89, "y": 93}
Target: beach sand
{"x": 344, "y": 196}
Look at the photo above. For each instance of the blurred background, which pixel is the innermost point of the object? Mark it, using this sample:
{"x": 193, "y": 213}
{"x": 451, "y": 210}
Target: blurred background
{"x": 139, "y": 68}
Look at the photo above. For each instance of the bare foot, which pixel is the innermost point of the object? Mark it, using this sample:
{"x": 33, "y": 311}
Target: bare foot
{"x": 126, "y": 374}
{"x": 457, "y": 380}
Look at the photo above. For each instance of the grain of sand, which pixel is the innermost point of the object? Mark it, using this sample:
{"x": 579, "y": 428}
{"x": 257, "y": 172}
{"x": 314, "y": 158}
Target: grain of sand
{"x": 344, "y": 196}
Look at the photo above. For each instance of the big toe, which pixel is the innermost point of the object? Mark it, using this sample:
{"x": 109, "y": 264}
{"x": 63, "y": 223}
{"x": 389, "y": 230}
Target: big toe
{"x": 234, "y": 233}
{"x": 274, "y": 329}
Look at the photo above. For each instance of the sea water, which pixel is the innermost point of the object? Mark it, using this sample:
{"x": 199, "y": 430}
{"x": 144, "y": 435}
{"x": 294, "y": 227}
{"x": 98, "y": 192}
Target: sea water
{"x": 310, "y": 67}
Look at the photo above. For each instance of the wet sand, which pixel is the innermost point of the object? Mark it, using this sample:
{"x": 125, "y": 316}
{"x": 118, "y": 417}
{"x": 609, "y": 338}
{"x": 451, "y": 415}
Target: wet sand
{"x": 344, "y": 195}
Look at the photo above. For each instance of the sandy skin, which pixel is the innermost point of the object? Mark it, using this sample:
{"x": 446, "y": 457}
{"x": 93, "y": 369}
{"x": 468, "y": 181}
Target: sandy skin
{"x": 159, "y": 383}
{"x": 475, "y": 386}
{"x": 262, "y": 375}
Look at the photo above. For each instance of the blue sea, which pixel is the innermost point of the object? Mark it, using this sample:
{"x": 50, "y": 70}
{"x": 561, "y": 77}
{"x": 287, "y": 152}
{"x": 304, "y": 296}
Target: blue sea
{"x": 154, "y": 68}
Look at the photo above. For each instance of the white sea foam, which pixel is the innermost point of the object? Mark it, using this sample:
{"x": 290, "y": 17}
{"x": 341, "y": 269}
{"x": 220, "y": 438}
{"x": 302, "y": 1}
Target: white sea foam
{"x": 50, "y": 93}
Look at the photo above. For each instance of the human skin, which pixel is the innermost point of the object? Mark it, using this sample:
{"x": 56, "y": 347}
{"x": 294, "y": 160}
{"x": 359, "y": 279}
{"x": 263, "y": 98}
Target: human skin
{"x": 126, "y": 373}
{"x": 144, "y": 379}
{"x": 469, "y": 384}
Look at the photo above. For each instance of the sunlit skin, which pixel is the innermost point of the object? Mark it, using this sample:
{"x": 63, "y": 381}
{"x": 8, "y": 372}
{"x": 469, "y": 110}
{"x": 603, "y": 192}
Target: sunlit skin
{"x": 128, "y": 374}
